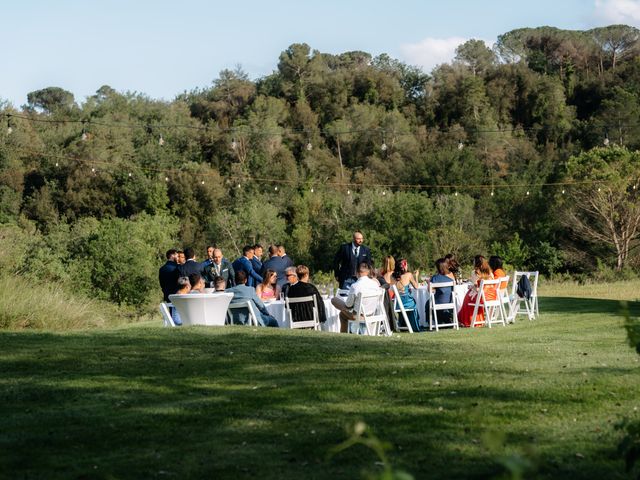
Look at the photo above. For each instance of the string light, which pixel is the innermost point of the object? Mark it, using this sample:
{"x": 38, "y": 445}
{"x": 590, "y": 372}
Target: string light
{"x": 384, "y": 192}
{"x": 348, "y": 192}
{"x": 311, "y": 189}
{"x": 309, "y": 146}
{"x": 606, "y": 141}
{"x": 166, "y": 179}
{"x": 563, "y": 191}
{"x": 455, "y": 194}
{"x": 239, "y": 185}
{"x": 202, "y": 182}
{"x": 383, "y": 147}
{"x": 129, "y": 174}
{"x": 276, "y": 188}
{"x": 234, "y": 144}
{"x": 492, "y": 193}
{"x": 56, "y": 164}
{"x": 599, "y": 188}
{"x": 93, "y": 170}
{"x": 527, "y": 192}
{"x": 460, "y": 145}
{"x": 161, "y": 141}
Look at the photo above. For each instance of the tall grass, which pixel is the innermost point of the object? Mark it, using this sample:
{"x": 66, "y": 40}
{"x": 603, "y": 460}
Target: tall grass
{"x": 27, "y": 305}
{"x": 620, "y": 290}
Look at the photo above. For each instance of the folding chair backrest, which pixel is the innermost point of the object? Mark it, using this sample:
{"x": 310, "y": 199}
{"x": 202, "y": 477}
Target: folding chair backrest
{"x": 369, "y": 310}
{"x": 248, "y": 306}
{"x": 435, "y": 307}
{"x": 312, "y": 322}
{"x": 166, "y": 315}
{"x": 398, "y": 306}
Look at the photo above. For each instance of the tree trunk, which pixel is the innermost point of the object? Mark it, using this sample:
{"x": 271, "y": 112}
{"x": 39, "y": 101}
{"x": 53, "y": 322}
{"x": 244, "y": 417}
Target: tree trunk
{"x": 340, "y": 158}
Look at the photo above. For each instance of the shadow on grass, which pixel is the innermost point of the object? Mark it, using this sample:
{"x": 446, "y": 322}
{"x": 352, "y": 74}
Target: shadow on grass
{"x": 149, "y": 403}
{"x": 572, "y": 305}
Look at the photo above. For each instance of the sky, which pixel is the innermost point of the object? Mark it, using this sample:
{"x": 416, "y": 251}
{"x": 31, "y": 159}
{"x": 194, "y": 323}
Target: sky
{"x": 164, "y": 47}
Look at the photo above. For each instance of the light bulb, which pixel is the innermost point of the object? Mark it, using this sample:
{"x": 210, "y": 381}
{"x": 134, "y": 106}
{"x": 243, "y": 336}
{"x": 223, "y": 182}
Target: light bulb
{"x": 456, "y": 194}
{"x": 9, "y": 130}
{"x": 161, "y": 141}
{"x": 311, "y": 189}
{"x": 234, "y": 144}
{"x": 492, "y": 193}
{"x": 84, "y": 136}
{"x": 527, "y": 192}
{"x": 599, "y": 189}
{"x": 460, "y": 145}
{"x": 93, "y": 170}
{"x": 56, "y": 164}
{"x": 129, "y": 174}
{"x": 238, "y": 185}
{"x": 166, "y": 179}
{"x": 563, "y": 191}
{"x": 606, "y": 141}
{"x": 202, "y": 182}
{"x": 309, "y": 146}
{"x": 348, "y": 192}
{"x": 383, "y": 147}
{"x": 384, "y": 192}
{"x": 276, "y": 188}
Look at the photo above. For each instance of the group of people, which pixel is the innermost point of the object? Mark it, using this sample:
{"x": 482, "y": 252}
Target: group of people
{"x": 250, "y": 278}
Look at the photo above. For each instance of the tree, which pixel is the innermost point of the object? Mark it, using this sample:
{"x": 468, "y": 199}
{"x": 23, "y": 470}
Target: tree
{"x": 616, "y": 40}
{"x": 476, "y": 55}
{"x": 603, "y": 207}
{"x": 51, "y": 99}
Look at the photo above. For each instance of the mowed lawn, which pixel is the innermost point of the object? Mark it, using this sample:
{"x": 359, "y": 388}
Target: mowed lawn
{"x": 147, "y": 402}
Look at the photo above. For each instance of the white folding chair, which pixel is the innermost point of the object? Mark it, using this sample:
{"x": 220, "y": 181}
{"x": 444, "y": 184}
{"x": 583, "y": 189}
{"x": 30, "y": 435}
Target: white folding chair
{"x": 166, "y": 315}
{"x": 531, "y": 303}
{"x": 248, "y": 306}
{"x": 399, "y": 307}
{"x": 370, "y": 313}
{"x": 492, "y": 308}
{"x": 313, "y": 322}
{"x": 505, "y": 300}
{"x": 434, "y": 308}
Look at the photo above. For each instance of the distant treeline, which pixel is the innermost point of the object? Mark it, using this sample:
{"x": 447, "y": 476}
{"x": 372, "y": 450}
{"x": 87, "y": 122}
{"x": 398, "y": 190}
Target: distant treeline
{"x": 504, "y": 150}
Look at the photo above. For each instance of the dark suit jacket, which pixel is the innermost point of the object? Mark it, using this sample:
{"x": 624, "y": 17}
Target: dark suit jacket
{"x": 277, "y": 264}
{"x": 256, "y": 264}
{"x": 168, "y": 276}
{"x": 253, "y": 277}
{"x": 191, "y": 266}
{"x": 302, "y": 311}
{"x": 226, "y": 271}
{"x": 345, "y": 265}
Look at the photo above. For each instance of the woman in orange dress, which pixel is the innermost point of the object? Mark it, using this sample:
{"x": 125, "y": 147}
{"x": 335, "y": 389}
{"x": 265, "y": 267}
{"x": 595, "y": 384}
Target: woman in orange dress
{"x": 495, "y": 263}
{"x": 481, "y": 271}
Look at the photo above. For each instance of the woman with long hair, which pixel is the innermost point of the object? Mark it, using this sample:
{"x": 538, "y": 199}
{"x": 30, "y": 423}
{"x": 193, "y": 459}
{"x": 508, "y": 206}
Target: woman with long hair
{"x": 404, "y": 281}
{"x": 454, "y": 267}
{"x": 268, "y": 290}
{"x": 481, "y": 271}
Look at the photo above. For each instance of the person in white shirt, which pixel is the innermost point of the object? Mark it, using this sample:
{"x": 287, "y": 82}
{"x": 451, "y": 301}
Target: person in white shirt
{"x": 364, "y": 285}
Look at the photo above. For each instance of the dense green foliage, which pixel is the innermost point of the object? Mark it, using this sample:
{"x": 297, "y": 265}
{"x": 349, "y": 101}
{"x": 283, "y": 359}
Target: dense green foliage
{"x": 538, "y": 397}
{"x": 481, "y": 153}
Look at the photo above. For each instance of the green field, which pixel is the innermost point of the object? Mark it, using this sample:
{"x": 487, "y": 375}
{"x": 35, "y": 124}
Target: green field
{"x": 147, "y": 402}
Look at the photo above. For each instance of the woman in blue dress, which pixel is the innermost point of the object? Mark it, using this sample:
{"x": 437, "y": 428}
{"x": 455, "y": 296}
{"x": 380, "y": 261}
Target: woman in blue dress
{"x": 404, "y": 282}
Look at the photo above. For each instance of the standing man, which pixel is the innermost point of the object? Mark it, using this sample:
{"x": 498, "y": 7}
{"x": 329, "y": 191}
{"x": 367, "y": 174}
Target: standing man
{"x": 219, "y": 267}
{"x": 168, "y": 275}
{"x": 256, "y": 261}
{"x": 190, "y": 265}
{"x": 209, "y": 258}
{"x": 277, "y": 264}
{"x": 347, "y": 259}
{"x": 243, "y": 264}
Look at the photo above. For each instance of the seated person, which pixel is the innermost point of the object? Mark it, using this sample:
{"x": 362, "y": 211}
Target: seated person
{"x": 291, "y": 276}
{"x": 268, "y": 289}
{"x": 219, "y": 283}
{"x": 495, "y": 263}
{"x": 302, "y": 288}
{"x": 242, "y": 294}
{"x": 404, "y": 282}
{"x": 481, "y": 271}
{"x": 364, "y": 285}
{"x": 197, "y": 283}
{"x": 442, "y": 294}
{"x": 455, "y": 272}
{"x": 184, "y": 287}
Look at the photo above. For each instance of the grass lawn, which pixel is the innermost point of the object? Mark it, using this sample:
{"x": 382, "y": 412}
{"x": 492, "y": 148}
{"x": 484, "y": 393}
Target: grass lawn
{"x": 146, "y": 402}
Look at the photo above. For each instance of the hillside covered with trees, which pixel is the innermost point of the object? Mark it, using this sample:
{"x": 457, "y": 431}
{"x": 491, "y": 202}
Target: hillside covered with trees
{"x": 528, "y": 150}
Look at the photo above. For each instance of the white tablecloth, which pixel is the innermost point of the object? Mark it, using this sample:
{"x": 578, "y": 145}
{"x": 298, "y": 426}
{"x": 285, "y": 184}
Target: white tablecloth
{"x": 202, "y": 308}
{"x": 422, "y": 296}
{"x": 276, "y": 308}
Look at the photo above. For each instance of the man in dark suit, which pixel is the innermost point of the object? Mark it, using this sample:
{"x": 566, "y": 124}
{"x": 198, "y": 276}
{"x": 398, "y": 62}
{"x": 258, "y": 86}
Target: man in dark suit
{"x": 277, "y": 264}
{"x": 209, "y": 260}
{"x": 287, "y": 259}
{"x": 256, "y": 261}
{"x": 347, "y": 259}
{"x": 168, "y": 275}
{"x": 190, "y": 265}
{"x": 244, "y": 264}
{"x": 219, "y": 267}
{"x": 302, "y": 288}
{"x": 242, "y": 293}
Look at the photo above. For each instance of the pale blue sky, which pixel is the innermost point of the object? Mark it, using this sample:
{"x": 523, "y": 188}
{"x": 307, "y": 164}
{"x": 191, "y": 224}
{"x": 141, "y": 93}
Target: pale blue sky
{"x": 163, "y": 47}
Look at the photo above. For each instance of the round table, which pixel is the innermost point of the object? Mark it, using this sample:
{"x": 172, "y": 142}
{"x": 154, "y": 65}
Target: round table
{"x": 276, "y": 309}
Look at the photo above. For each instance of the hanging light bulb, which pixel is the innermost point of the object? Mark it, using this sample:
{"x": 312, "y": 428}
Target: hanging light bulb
{"x": 460, "y": 145}
{"x": 384, "y": 192}
{"x": 309, "y": 146}
{"x": 202, "y": 182}
{"x": 599, "y": 189}
{"x": 239, "y": 185}
{"x": 527, "y": 192}
{"x": 311, "y": 189}
{"x": 9, "y": 130}
{"x": 383, "y": 147}
{"x": 93, "y": 170}
{"x": 455, "y": 194}
{"x": 234, "y": 144}
{"x": 276, "y": 188}
{"x": 161, "y": 141}
{"x": 563, "y": 191}
{"x": 129, "y": 174}
{"x": 606, "y": 141}
{"x": 166, "y": 179}
{"x": 348, "y": 192}
{"x": 84, "y": 136}
{"x": 492, "y": 193}
{"x": 56, "y": 164}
